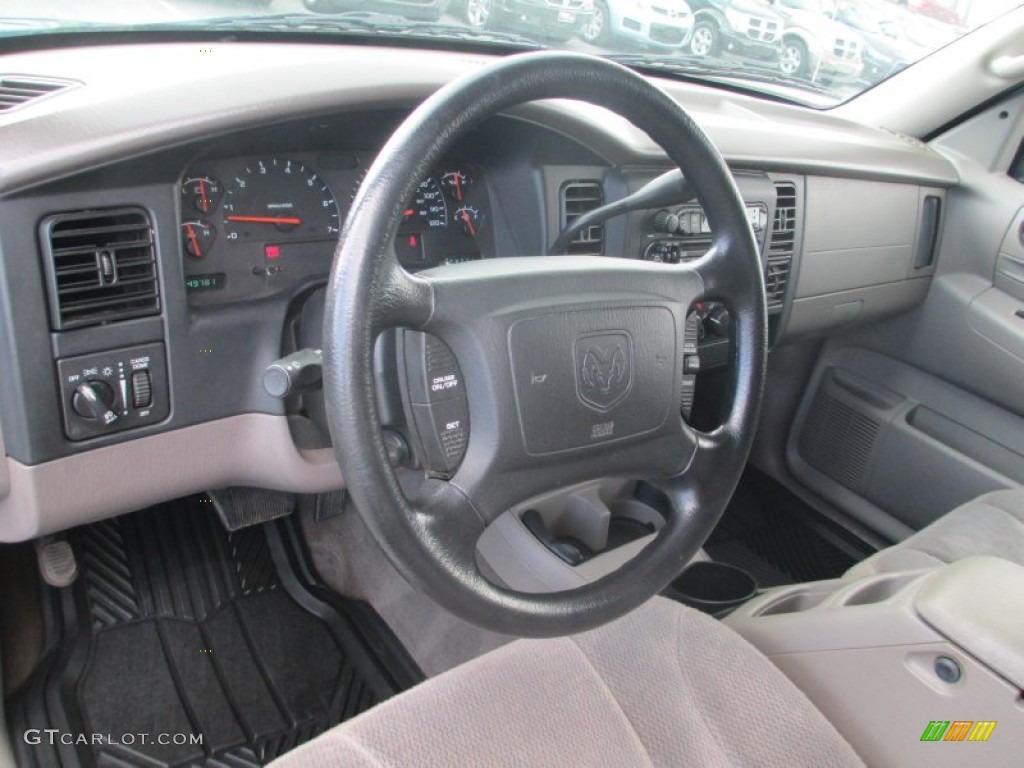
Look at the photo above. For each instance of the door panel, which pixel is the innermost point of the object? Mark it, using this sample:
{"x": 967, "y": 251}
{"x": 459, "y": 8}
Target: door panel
{"x": 898, "y": 447}
{"x": 904, "y": 420}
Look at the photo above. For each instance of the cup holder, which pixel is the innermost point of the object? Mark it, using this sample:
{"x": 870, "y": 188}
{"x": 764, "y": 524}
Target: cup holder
{"x": 714, "y": 588}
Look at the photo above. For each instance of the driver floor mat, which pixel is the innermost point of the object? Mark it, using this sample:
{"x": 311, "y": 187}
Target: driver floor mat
{"x": 183, "y": 645}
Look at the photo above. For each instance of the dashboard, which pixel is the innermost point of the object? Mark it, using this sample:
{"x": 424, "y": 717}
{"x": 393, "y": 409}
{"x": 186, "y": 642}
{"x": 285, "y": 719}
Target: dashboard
{"x": 161, "y": 246}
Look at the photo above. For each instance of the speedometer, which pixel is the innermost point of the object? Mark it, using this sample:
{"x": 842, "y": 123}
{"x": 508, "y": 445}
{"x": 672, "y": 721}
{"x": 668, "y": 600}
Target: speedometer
{"x": 428, "y": 208}
{"x": 279, "y": 199}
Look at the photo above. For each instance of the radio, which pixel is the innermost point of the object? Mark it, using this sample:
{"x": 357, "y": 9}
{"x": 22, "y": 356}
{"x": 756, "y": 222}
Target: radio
{"x": 684, "y": 234}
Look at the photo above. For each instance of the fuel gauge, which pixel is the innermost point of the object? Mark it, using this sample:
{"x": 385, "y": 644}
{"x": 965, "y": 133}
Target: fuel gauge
{"x": 468, "y": 218}
{"x": 197, "y": 236}
{"x": 201, "y": 193}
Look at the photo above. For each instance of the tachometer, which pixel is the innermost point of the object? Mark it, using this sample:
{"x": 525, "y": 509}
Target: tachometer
{"x": 428, "y": 209}
{"x": 278, "y": 199}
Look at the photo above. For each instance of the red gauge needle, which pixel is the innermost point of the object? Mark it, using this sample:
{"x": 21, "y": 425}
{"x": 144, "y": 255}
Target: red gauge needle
{"x": 204, "y": 203}
{"x": 408, "y": 212}
{"x": 469, "y": 223}
{"x": 267, "y": 219}
{"x": 194, "y": 240}
{"x": 458, "y": 187}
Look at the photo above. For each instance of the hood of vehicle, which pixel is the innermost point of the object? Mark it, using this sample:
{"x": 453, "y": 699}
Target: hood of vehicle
{"x": 678, "y": 7}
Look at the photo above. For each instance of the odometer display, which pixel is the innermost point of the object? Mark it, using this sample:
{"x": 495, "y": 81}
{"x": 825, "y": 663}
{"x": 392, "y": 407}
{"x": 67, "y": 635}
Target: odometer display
{"x": 277, "y": 199}
{"x": 213, "y": 281}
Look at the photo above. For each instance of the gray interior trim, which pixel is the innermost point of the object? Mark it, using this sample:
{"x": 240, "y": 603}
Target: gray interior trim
{"x": 856, "y": 233}
{"x": 992, "y": 313}
{"x": 521, "y": 562}
{"x": 1010, "y": 263}
{"x": 915, "y": 467}
{"x": 251, "y": 450}
{"x": 836, "y": 614}
{"x": 5, "y": 481}
{"x": 943, "y": 86}
{"x": 839, "y": 286}
{"x": 843, "y": 310}
{"x": 867, "y": 660}
{"x": 976, "y": 604}
{"x": 990, "y": 138}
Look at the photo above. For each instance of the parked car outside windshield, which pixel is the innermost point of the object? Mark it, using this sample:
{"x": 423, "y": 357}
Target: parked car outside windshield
{"x": 817, "y": 52}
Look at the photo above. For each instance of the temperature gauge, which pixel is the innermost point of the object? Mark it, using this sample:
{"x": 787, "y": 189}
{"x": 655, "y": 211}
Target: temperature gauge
{"x": 201, "y": 193}
{"x": 456, "y": 184}
{"x": 468, "y": 219}
{"x": 197, "y": 237}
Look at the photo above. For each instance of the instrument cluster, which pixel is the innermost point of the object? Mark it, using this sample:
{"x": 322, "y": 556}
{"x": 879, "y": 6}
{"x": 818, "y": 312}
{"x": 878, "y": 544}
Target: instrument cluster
{"x": 256, "y": 225}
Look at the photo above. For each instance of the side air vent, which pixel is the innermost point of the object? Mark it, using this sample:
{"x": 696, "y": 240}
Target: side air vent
{"x": 578, "y": 198}
{"x": 18, "y": 91}
{"x": 101, "y": 267}
{"x": 781, "y": 243}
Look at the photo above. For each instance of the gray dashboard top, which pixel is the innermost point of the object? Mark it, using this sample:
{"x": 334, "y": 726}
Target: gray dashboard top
{"x": 135, "y": 99}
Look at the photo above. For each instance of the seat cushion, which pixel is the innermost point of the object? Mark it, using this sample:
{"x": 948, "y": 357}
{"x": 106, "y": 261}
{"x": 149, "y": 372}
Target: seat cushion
{"x": 992, "y": 524}
{"x": 663, "y": 686}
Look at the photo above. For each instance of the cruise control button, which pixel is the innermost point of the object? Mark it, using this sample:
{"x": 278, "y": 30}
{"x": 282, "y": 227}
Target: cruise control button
{"x": 444, "y": 432}
{"x": 433, "y": 374}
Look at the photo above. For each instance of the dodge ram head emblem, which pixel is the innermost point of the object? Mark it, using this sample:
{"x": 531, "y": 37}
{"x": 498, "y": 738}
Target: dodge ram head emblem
{"x": 604, "y": 368}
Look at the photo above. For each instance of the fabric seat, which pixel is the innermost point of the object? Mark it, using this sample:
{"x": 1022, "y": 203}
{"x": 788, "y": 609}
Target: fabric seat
{"x": 663, "y": 686}
{"x": 992, "y": 524}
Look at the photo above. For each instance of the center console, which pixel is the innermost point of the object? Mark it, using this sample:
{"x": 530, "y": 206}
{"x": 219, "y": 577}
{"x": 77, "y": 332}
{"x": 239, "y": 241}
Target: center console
{"x": 897, "y": 661}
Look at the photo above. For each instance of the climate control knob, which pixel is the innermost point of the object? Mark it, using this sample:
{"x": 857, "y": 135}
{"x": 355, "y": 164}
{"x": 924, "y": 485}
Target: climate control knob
{"x": 664, "y": 221}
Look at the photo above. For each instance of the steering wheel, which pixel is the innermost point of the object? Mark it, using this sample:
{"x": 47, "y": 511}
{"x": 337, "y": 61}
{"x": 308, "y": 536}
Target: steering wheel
{"x": 521, "y": 330}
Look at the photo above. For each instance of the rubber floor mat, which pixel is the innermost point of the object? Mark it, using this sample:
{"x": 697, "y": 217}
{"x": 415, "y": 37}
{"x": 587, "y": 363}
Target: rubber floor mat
{"x": 183, "y": 645}
{"x": 778, "y": 539}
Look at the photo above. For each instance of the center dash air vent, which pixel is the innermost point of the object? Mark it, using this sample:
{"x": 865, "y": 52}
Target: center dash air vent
{"x": 578, "y": 198}
{"x": 101, "y": 267}
{"x": 781, "y": 244}
{"x": 18, "y": 91}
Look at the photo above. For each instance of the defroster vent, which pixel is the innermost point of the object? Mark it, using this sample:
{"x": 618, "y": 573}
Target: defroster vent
{"x": 578, "y": 198}
{"x": 17, "y": 91}
{"x": 781, "y": 244}
{"x": 101, "y": 267}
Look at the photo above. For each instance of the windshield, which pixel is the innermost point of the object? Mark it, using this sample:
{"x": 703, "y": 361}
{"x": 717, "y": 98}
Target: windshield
{"x": 817, "y": 52}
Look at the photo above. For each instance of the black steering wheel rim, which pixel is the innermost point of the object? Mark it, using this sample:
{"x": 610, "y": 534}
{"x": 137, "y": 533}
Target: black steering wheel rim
{"x": 431, "y": 538}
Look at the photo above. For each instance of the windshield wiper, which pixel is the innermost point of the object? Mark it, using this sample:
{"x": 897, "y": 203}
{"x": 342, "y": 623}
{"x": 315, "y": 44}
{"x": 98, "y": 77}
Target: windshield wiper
{"x": 699, "y": 69}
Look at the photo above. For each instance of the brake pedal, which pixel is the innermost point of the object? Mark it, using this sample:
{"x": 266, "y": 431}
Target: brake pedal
{"x": 57, "y": 564}
{"x": 242, "y": 507}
